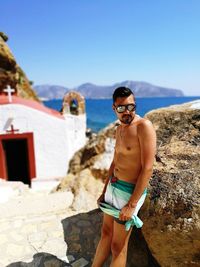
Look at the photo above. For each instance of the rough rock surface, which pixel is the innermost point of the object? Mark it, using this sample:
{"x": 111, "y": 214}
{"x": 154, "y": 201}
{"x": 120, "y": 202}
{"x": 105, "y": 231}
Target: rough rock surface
{"x": 85, "y": 189}
{"x": 171, "y": 218}
{"x": 11, "y": 74}
{"x": 171, "y": 212}
{"x": 97, "y": 154}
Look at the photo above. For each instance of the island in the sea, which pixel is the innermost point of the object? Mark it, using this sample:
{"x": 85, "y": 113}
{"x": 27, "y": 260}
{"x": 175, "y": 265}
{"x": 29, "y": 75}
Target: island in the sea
{"x": 93, "y": 91}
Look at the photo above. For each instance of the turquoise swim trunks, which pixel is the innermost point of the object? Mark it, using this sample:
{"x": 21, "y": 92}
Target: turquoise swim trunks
{"x": 117, "y": 195}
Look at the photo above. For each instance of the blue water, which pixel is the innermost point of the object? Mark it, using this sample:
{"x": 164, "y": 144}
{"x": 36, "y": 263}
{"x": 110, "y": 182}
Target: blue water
{"x": 100, "y": 113}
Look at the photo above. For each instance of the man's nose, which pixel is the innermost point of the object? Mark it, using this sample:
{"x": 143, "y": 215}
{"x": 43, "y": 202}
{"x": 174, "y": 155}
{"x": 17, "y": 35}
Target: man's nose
{"x": 126, "y": 111}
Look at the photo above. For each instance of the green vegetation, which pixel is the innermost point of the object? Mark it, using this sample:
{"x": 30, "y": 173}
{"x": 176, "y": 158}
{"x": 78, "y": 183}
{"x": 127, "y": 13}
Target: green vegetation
{"x": 4, "y": 36}
{"x": 31, "y": 82}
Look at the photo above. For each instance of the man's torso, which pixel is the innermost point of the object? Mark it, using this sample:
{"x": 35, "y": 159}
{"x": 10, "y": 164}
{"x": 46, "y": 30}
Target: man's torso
{"x": 127, "y": 158}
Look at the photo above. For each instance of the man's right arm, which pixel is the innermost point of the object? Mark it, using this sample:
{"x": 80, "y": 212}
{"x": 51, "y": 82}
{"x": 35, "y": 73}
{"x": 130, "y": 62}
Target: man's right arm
{"x": 110, "y": 172}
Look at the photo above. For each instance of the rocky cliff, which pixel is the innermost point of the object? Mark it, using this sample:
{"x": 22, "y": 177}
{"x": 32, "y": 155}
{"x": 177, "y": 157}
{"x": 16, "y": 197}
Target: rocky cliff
{"x": 171, "y": 213}
{"x": 11, "y": 73}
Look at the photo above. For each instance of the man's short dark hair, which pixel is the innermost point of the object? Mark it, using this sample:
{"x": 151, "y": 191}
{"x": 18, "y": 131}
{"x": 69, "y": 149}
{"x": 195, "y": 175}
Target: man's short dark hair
{"x": 122, "y": 91}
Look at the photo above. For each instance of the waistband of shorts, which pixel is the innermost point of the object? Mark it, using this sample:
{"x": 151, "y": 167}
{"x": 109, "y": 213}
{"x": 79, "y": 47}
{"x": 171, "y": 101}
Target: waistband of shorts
{"x": 122, "y": 182}
{"x": 122, "y": 185}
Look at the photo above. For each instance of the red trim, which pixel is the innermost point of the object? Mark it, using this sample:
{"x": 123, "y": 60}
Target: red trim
{"x": 31, "y": 104}
{"x": 31, "y": 156}
{"x": 31, "y": 153}
{"x": 3, "y": 171}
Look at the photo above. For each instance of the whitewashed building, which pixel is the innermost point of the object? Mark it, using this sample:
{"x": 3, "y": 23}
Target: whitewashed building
{"x": 35, "y": 141}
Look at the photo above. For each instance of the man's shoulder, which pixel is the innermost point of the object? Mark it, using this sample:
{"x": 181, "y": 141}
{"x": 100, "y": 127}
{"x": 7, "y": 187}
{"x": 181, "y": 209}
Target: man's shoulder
{"x": 144, "y": 122}
{"x": 144, "y": 125}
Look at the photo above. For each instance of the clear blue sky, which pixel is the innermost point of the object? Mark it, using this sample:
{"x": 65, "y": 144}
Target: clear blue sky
{"x": 70, "y": 42}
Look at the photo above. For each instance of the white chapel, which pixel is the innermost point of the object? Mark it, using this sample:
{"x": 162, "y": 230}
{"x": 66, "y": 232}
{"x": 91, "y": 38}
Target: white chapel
{"x": 37, "y": 142}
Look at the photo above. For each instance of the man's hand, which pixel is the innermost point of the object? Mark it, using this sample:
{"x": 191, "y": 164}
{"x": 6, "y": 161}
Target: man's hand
{"x": 126, "y": 213}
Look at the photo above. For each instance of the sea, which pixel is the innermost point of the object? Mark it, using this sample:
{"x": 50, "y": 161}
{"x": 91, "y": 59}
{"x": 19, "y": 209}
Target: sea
{"x": 100, "y": 114}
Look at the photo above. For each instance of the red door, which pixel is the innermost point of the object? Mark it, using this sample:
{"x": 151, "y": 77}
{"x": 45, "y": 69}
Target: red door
{"x": 17, "y": 157}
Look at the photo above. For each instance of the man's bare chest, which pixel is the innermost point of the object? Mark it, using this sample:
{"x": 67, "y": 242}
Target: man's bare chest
{"x": 127, "y": 144}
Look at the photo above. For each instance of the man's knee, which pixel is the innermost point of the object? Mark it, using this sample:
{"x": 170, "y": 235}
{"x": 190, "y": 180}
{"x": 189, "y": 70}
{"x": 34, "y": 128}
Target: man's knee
{"x": 118, "y": 248}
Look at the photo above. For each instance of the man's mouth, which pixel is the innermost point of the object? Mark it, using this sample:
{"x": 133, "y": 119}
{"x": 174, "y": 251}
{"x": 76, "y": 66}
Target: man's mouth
{"x": 127, "y": 119}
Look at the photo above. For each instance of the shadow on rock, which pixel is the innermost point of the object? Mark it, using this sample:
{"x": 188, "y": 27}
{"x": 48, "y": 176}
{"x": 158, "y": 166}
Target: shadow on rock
{"x": 82, "y": 233}
{"x": 41, "y": 260}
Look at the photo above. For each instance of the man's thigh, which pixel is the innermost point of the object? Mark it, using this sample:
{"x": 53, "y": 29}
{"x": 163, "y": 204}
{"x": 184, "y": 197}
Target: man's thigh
{"x": 120, "y": 235}
{"x": 108, "y": 222}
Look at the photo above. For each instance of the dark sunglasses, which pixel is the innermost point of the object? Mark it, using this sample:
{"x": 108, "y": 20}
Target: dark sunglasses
{"x": 122, "y": 108}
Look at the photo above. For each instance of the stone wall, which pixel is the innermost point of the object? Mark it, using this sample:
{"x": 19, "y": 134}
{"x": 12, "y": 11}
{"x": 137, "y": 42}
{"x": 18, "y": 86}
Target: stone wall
{"x": 82, "y": 233}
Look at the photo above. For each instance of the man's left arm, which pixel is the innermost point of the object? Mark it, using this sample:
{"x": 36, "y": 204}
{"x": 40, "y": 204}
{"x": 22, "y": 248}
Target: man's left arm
{"x": 147, "y": 140}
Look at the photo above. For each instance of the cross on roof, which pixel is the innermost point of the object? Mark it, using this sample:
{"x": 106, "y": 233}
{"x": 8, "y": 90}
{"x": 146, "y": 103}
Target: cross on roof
{"x": 12, "y": 131}
{"x": 9, "y": 91}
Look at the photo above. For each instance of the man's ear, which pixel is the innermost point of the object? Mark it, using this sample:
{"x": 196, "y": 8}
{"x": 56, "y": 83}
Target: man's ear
{"x": 113, "y": 107}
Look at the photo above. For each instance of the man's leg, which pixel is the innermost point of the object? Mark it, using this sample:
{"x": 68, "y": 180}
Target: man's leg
{"x": 104, "y": 246}
{"x": 119, "y": 245}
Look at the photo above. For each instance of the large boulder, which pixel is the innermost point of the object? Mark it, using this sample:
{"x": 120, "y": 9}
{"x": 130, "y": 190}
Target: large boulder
{"x": 97, "y": 154}
{"x": 171, "y": 214}
{"x": 85, "y": 189}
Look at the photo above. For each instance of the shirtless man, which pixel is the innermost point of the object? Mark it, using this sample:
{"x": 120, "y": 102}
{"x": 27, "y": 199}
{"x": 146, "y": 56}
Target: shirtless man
{"x": 129, "y": 173}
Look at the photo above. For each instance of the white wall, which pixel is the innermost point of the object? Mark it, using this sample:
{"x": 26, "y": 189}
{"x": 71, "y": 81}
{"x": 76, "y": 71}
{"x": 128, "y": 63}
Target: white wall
{"x": 76, "y": 129}
{"x": 55, "y": 140}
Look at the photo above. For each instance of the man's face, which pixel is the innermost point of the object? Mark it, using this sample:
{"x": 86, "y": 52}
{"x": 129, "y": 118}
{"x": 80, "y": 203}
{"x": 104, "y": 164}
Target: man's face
{"x": 125, "y": 109}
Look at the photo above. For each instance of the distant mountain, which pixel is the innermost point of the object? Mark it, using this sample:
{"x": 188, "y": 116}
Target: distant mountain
{"x": 50, "y": 91}
{"x": 140, "y": 89}
{"x": 89, "y": 90}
